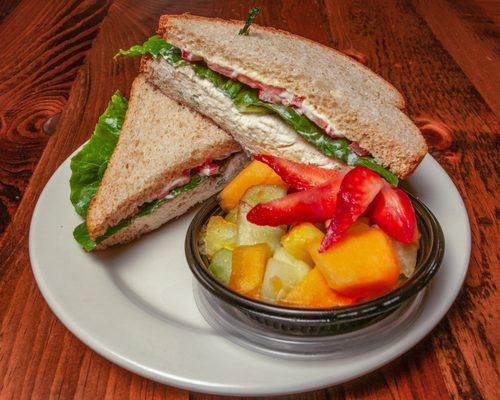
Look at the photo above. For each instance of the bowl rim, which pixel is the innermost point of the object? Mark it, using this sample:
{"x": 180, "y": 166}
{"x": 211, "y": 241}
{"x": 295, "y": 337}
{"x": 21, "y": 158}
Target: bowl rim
{"x": 431, "y": 253}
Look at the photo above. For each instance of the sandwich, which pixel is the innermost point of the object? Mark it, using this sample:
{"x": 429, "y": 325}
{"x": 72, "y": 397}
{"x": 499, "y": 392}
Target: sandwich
{"x": 280, "y": 94}
{"x": 148, "y": 161}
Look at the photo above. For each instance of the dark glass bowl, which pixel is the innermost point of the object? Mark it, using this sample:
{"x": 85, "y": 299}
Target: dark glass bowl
{"x": 325, "y": 321}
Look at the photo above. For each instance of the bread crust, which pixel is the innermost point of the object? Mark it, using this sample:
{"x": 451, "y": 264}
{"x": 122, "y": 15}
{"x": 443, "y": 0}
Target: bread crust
{"x": 163, "y": 31}
{"x": 376, "y": 122}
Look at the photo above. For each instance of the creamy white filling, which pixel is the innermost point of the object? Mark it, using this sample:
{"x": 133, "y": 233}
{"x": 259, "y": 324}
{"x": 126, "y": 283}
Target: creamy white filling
{"x": 286, "y": 97}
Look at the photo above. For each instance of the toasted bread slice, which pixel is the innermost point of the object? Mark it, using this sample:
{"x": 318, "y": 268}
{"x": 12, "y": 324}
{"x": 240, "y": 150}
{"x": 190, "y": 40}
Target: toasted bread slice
{"x": 358, "y": 103}
{"x": 159, "y": 140}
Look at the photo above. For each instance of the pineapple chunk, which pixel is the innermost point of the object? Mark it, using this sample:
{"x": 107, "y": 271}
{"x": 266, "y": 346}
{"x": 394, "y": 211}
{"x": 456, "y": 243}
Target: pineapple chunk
{"x": 218, "y": 235}
{"x": 298, "y": 238}
{"x": 249, "y": 234}
{"x": 221, "y": 265}
{"x": 282, "y": 273}
{"x": 362, "y": 265}
{"x": 313, "y": 292}
{"x": 248, "y": 267}
{"x": 255, "y": 173}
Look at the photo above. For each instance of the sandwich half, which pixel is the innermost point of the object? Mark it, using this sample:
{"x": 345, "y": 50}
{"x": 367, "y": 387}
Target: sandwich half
{"x": 149, "y": 160}
{"x": 281, "y": 94}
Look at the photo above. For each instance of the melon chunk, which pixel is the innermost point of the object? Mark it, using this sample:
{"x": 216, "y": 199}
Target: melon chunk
{"x": 282, "y": 273}
{"x": 362, "y": 265}
{"x": 249, "y": 234}
{"x": 220, "y": 266}
{"x": 298, "y": 238}
{"x": 313, "y": 292}
{"x": 262, "y": 194}
{"x": 248, "y": 267}
{"x": 255, "y": 173}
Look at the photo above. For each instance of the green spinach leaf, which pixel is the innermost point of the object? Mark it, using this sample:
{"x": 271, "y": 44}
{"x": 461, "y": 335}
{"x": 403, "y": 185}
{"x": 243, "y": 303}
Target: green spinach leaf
{"x": 89, "y": 164}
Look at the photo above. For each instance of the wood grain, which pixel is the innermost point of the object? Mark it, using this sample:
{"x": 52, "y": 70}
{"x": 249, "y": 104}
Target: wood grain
{"x": 447, "y": 95}
{"x": 46, "y": 45}
{"x": 471, "y": 36}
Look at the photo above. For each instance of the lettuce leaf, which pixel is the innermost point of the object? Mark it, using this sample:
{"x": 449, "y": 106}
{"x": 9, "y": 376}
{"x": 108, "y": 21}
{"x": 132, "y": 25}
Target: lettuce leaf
{"x": 338, "y": 148}
{"x": 81, "y": 233}
{"x": 154, "y": 46}
{"x": 89, "y": 164}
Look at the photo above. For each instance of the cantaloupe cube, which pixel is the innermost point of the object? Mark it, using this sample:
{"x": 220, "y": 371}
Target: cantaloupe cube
{"x": 248, "y": 267}
{"x": 298, "y": 238}
{"x": 313, "y": 292}
{"x": 362, "y": 265}
{"x": 360, "y": 225}
{"x": 255, "y": 173}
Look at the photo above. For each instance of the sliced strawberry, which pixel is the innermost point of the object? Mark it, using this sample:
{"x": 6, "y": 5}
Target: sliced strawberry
{"x": 393, "y": 212}
{"x": 313, "y": 205}
{"x": 358, "y": 189}
{"x": 299, "y": 176}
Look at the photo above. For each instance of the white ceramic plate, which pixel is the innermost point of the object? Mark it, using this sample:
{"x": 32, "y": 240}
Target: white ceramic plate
{"x": 134, "y": 305}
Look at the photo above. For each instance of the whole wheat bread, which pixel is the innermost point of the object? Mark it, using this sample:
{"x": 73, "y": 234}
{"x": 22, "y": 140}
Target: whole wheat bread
{"x": 358, "y": 103}
{"x": 159, "y": 140}
{"x": 177, "y": 206}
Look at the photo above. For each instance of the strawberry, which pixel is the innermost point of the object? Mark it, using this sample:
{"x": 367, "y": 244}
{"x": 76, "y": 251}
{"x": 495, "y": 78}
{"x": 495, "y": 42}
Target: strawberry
{"x": 299, "y": 176}
{"x": 313, "y": 205}
{"x": 393, "y": 212}
{"x": 357, "y": 190}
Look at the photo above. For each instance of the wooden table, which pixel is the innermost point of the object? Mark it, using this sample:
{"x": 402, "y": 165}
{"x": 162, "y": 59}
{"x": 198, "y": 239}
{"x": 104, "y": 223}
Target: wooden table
{"x": 57, "y": 75}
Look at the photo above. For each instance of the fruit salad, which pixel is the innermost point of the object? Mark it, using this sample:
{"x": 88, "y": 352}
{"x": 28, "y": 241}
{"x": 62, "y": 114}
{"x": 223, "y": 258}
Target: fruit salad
{"x": 303, "y": 236}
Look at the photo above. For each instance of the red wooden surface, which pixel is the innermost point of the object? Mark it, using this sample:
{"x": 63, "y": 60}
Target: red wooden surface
{"x": 56, "y": 76}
